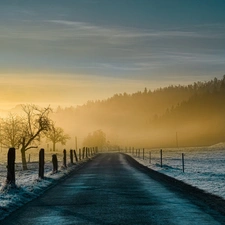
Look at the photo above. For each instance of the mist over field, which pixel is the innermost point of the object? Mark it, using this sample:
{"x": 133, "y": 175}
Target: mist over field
{"x": 191, "y": 115}
{"x": 174, "y": 116}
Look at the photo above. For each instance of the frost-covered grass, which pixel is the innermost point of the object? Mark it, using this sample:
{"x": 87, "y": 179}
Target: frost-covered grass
{"x": 28, "y": 185}
{"x": 204, "y": 166}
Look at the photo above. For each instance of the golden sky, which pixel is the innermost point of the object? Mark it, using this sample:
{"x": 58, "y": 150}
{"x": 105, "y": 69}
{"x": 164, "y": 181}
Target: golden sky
{"x": 64, "y": 90}
{"x": 67, "y": 52}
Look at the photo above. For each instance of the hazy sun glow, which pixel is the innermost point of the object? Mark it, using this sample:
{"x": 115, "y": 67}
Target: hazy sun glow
{"x": 69, "y": 89}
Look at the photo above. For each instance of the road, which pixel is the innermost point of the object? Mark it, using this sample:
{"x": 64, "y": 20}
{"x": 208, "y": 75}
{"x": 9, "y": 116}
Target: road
{"x": 109, "y": 190}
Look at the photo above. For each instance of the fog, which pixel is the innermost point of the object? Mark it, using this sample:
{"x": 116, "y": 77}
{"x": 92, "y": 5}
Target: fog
{"x": 174, "y": 116}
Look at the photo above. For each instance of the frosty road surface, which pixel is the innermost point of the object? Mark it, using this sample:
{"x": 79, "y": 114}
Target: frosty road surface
{"x": 109, "y": 190}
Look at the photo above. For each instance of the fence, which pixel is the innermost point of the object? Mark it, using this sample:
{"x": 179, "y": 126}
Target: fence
{"x": 10, "y": 168}
{"x": 161, "y": 158}
{"x": 188, "y": 159}
{"x": 158, "y": 157}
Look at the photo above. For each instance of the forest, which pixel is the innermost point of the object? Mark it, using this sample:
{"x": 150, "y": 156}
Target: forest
{"x": 174, "y": 116}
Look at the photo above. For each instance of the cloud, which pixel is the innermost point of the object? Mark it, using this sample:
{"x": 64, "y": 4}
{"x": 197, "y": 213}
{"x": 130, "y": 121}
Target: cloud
{"x": 81, "y": 47}
{"x": 126, "y": 32}
{"x": 66, "y": 30}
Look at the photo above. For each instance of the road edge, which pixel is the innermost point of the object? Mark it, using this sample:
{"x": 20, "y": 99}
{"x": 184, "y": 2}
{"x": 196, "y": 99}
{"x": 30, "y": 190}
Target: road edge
{"x": 199, "y": 196}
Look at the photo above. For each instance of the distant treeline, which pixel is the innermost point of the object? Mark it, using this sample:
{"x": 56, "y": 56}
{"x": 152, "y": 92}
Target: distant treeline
{"x": 190, "y": 115}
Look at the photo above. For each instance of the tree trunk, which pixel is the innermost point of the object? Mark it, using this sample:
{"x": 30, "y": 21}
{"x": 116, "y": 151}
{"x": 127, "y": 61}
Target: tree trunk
{"x": 41, "y": 163}
{"x": 11, "y": 167}
{"x": 24, "y": 161}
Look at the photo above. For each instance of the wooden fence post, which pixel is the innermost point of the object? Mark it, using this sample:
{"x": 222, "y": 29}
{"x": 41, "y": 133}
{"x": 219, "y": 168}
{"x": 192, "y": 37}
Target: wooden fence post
{"x": 79, "y": 154}
{"x": 71, "y": 156}
{"x": 75, "y": 155}
{"x": 55, "y": 163}
{"x": 41, "y": 163}
{"x": 161, "y": 157}
{"x": 183, "y": 162}
{"x": 83, "y": 153}
{"x": 64, "y": 158}
{"x": 11, "y": 167}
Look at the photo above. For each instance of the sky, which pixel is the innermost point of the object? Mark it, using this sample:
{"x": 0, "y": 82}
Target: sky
{"x": 65, "y": 52}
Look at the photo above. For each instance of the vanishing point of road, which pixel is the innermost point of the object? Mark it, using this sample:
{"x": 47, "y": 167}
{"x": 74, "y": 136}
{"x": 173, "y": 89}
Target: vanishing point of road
{"x": 110, "y": 190}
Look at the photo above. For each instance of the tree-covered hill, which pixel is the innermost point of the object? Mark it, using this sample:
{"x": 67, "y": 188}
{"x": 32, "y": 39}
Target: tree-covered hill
{"x": 195, "y": 112}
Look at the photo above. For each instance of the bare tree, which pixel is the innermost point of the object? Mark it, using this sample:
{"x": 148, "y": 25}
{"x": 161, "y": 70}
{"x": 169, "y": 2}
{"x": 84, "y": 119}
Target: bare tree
{"x": 25, "y": 131}
{"x": 11, "y": 131}
{"x": 56, "y": 135}
{"x": 36, "y": 121}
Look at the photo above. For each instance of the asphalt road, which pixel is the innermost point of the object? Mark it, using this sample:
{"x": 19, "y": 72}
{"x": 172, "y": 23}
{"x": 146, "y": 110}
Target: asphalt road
{"x": 108, "y": 190}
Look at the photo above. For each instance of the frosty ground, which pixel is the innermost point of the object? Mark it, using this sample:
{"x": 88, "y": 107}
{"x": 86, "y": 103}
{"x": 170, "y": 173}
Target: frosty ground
{"x": 204, "y": 168}
{"x": 28, "y": 185}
